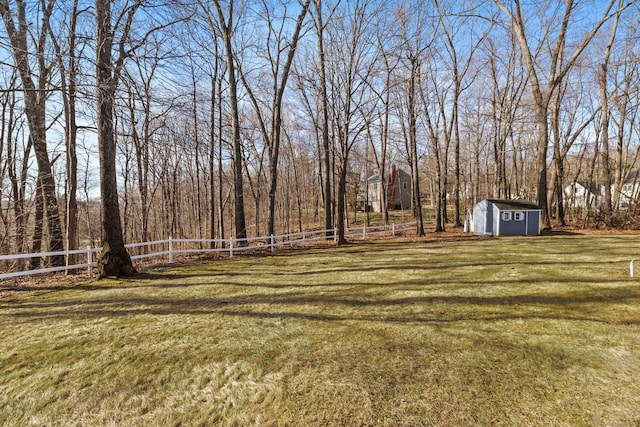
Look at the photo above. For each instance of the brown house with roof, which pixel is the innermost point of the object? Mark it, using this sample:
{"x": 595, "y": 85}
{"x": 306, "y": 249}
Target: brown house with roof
{"x": 398, "y": 190}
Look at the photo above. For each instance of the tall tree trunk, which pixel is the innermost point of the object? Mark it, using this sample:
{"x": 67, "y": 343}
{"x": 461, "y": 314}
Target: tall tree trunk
{"x": 604, "y": 98}
{"x": 557, "y": 181}
{"x": 324, "y": 102}
{"x": 413, "y": 142}
{"x": 17, "y": 177}
{"x": 456, "y": 142}
{"x": 68, "y": 83}
{"x": 341, "y": 197}
{"x": 35, "y": 98}
{"x": 114, "y": 259}
{"x": 221, "y": 218}
{"x": 196, "y": 137}
{"x": 541, "y": 163}
{"x": 212, "y": 161}
{"x": 71, "y": 133}
{"x": 36, "y": 239}
{"x": 589, "y": 207}
{"x": 226, "y": 25}
{"x": 276, "y": 120}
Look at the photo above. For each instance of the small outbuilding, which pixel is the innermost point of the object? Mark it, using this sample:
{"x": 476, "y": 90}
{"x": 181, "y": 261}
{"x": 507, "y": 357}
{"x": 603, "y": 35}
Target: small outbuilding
{"x": 506, "y": 218}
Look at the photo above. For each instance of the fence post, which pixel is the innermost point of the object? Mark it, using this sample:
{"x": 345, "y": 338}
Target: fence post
{"x": 393, "y": 229}
{"x": 230, "y": 247}
{"x": 273, "y": 243}
{"x": 335, "y": 234}
{"x": 170, "y": 249}
{"x": 631, "y": 267}
{"x": 89, "y": 261}
{"x": 364, "y": 232}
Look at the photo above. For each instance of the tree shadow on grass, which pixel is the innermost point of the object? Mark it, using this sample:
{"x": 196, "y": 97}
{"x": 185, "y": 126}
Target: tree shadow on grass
{"x": 348, "y": 305}
{"x": 54, "y": 284}
{"x": 167, "y": 280}
{"x": 559, "y": 232}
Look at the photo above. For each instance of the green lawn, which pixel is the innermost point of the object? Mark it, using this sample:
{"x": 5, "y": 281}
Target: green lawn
{"x": 540, "y": 331}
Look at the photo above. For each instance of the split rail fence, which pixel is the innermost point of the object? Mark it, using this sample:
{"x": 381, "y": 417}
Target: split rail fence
{"x": 170, "y": 247}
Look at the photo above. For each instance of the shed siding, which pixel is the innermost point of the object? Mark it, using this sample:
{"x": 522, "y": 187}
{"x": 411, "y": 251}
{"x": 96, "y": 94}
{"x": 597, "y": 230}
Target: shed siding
{"x": 498, "y": 218}
{"x": 482, "y": 218}
{"x": 533, "y": 224}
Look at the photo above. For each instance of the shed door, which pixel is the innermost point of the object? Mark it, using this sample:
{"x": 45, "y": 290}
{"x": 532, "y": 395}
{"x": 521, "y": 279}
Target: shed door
{"x": 533, "y": 223}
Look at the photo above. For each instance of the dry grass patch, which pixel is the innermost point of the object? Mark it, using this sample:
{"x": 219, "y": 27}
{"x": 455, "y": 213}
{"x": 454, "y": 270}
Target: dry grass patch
{"x": 515, "y": 331}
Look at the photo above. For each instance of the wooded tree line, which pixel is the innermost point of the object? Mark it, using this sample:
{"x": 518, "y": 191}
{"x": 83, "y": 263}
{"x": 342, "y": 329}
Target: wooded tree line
{"x": 136, "y": 120}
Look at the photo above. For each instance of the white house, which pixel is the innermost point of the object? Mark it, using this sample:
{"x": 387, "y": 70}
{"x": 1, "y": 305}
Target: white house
{"x": 630, "y": 190}
{"x": 577, "y": 195}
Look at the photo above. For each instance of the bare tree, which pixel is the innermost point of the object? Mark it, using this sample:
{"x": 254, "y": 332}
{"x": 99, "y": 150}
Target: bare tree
{"x": 68, "y": 65}
{"x": 507, "y": 85}
{"x": 412, "y": 101}
{"x": 353, "y": 56}
{"x": 478, "y": 135}
{"x": 606, "y": 115}
{"x": 325, "y": 154}
{"x": 568, "y": 122}
{"x": 455, "y": 28}
{"x": 16, "y": 164}
{"x": 619, "y": 82}
{"x": 215, "y": 106}
{"x": 279, "y": 54}
{"x": 35, "y": 101}
{"x": 114, "y": 260}
{"x": 432, "y": 99}
{"x": 206, "y": 34}
{"x": 415, "y": 43}
{"x": 557, "y": 65}
{"x": 383, "y": 89}
{"x": 226, "y": 23}
{"x": 147, "y": 110}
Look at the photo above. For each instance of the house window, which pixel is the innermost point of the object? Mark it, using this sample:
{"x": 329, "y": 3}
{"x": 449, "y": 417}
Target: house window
{"x": 505, "y": 216}
{"x": 518, "y": 216}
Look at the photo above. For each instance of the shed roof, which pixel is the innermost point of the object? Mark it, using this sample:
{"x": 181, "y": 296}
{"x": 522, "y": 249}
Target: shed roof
{"x": 514, "y": 205}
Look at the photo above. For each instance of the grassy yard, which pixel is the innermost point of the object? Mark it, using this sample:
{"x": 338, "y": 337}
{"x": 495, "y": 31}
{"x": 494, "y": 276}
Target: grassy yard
{"x": 537, "y": 331}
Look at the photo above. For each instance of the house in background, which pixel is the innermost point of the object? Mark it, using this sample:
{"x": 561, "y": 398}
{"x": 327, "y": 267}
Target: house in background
{"x": 506, "y": 218}
{"x": 578, "y": 196}
{"x": 630, "y": 190}
{"x": 398, "y": 190}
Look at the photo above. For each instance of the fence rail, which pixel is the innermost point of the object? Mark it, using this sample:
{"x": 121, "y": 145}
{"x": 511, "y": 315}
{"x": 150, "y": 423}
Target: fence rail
{"x": 171, "y": 247}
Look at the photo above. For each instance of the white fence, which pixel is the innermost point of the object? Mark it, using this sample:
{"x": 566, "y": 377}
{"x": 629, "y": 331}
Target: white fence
{"x": 171, "y": 247}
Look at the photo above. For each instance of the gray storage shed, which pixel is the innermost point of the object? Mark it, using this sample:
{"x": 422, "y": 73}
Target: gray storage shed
{"x": 506, "y": 218}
